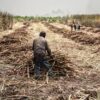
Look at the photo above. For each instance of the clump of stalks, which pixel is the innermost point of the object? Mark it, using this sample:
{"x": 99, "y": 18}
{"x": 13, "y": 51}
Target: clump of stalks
{"x": 6, "y": 21}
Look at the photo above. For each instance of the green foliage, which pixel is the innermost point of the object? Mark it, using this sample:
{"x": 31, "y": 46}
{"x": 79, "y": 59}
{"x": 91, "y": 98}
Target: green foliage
{"x": 87, "y": 20}
{"x": 40, "y": 18}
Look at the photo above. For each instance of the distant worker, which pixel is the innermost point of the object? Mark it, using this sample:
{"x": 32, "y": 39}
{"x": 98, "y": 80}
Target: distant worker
{"x": 74, "y": 25}
{"x": 40, "y": 48}
{"x": 71, "y": 26}
{"x": 78, "y": 26}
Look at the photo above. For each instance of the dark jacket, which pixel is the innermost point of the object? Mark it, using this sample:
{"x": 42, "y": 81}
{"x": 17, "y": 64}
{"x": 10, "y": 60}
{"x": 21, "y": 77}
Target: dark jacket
{"x": 40, "y": 46}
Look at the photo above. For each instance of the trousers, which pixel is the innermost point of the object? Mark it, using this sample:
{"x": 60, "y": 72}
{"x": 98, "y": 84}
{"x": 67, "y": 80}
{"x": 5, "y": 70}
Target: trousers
{"x": 40, "y": 63}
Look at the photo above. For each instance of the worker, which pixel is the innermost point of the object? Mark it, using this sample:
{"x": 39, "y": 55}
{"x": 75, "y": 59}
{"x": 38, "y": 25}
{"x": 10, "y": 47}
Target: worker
{"x": 40, "y": 48}
{"x": 78, "y": 26}
{"x": 71, "y": 26}
{"x": 74, "y": 26}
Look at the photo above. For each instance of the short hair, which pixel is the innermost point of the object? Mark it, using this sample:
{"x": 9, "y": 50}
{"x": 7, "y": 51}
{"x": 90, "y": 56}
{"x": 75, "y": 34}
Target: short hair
{"x": 43, "y": 34}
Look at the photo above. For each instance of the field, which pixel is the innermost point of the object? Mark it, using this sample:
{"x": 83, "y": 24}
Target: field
{"x": 77, "y": 57}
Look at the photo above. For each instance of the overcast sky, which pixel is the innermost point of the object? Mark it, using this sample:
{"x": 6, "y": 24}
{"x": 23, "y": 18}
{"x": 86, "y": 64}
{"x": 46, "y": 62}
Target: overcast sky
{"x": 50, "y": 7}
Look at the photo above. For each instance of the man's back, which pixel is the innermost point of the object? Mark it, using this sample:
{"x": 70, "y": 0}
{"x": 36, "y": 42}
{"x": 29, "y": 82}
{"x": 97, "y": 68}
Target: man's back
{"x": 40, "y": 46}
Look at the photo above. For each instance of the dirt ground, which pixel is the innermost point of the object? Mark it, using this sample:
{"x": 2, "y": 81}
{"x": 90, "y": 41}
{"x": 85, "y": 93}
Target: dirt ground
{"x": 82, "y": 79}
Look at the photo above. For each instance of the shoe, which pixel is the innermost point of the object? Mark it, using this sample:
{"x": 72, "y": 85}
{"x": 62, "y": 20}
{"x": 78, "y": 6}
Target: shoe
{"x": 37, "y": 77}
{"x": 50, "y": 73}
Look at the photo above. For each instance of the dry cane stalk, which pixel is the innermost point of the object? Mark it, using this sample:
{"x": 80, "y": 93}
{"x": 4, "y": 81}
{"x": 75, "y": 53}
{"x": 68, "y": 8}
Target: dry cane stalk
{"x": 3, "y": 85}
{"x": 98, "y": 96}
{"x": 69, "y": 98}
{"x": 39, "y": 87}
{"x": 28, "y": 74}
{"x": 47, "y": 78}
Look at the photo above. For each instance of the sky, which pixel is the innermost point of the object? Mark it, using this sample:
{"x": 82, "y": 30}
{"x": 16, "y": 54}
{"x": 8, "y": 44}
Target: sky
{"x": 50, "y": 7}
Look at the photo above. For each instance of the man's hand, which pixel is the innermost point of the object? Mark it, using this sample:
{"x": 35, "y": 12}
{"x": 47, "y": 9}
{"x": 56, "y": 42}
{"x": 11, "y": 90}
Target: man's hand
{"x": 33, "y": 59}
{"x": 51, "y": 56}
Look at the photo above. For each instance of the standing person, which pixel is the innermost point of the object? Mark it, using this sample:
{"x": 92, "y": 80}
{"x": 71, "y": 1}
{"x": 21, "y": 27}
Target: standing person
{"x": 71, "y": 26}
{"x": 75, "y": 27}
{"x": 78, "y": 26}
{"x": 40, "y": 48}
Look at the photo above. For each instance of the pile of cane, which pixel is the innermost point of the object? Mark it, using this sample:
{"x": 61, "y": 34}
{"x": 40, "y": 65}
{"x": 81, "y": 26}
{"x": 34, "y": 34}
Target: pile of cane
{"x": 59, "y": 64}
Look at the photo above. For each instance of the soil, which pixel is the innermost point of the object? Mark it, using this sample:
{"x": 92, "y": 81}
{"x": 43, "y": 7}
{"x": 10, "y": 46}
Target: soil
{"x": 76, "y": 56}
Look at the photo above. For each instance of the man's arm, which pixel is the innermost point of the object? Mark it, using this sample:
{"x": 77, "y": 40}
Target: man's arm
{"x": 33, "y": 46}
{"x": 48, "y": 49}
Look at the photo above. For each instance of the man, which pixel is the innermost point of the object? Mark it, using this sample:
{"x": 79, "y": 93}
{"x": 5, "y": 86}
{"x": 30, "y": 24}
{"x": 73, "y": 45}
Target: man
{"x": 71, "y": 26}
{"x": 78, "y": 26}
{"x": 40, "y": 48}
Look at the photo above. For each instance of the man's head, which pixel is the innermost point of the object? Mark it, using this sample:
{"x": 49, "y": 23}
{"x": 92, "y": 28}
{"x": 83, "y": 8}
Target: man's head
{"x": 42, "y": 34}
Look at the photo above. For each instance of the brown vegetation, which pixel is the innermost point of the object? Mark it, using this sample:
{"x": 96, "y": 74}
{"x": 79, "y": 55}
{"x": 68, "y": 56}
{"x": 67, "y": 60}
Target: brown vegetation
{"x": 6, "y": 21}
{"x": 70, "y": 81}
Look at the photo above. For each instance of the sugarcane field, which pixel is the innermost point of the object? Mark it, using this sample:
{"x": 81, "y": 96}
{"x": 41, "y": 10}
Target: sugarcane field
{"x": 75, "y": 60}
